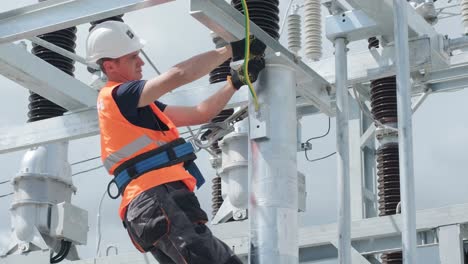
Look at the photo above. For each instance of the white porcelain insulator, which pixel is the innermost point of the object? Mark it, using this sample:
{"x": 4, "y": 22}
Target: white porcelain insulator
{"x": 464, "y": 15}
{"x": 313, "y": 29}
{"x": 294, "y": 33}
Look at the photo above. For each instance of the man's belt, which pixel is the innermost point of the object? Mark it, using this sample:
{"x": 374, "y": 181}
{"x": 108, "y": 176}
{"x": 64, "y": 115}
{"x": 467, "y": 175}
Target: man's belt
{"x": 172, "y": 153}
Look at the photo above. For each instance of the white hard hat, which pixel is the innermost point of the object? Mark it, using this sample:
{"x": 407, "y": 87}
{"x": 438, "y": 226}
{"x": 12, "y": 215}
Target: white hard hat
{"x": 111, "y": 39}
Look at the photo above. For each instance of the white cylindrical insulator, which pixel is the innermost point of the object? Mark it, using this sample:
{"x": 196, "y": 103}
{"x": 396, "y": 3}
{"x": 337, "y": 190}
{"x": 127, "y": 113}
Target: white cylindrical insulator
{"x": 464, "y": 15}
{"x": 44, "y": 180}
{"x": 294, "y": 33}
{"x": 313, "y": 29}
{"x": 234, "y": 170}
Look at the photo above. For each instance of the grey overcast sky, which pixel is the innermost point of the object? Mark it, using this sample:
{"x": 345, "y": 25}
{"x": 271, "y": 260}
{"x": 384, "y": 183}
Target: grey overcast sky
{"x": 440, "y": 132}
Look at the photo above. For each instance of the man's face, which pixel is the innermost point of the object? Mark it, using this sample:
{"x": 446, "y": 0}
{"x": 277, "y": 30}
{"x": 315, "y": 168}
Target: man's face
{"x": 125, "y": 68}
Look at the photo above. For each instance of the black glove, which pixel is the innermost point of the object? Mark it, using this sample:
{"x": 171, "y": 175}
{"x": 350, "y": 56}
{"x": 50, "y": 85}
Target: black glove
{"x": 256, "y": 64}
{"x": 257, "y": 48}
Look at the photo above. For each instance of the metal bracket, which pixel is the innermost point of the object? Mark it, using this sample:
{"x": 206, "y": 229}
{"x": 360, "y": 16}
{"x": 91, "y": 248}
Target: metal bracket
{"x": 260, "y": 124}
{"x": 351, "y": 25}
{"x": 303, "y": 146}
{"x": 334, "y": 6}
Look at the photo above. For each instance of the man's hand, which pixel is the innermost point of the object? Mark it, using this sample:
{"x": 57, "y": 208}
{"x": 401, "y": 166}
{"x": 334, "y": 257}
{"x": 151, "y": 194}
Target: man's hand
{"x": 257, "y": 48}
{"x": 256, "y": 64}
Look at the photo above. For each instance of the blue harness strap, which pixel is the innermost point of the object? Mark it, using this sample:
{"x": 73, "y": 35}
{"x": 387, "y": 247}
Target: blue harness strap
{"x": 167, "y": 156}
{"x": 192, "y": 168}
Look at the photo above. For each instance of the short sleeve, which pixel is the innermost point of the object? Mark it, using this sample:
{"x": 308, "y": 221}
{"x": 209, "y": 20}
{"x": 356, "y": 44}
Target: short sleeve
{"x": 161, "y": 106}
{"x": 127, "y": 96}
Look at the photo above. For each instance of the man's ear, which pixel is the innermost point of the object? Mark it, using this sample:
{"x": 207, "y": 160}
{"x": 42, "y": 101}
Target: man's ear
{"x": 108, "y": 65}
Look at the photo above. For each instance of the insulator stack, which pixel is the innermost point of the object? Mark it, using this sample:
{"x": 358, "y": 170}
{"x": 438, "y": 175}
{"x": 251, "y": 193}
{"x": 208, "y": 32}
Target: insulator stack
{"x": 384, "y": 100}
{"x": 464, "y": 14}
{"x": 373, "y": 43}
{"x": 388, "y": 172}
{"x": 264, "y": 13}
{"x": 294, "y": 33}
{"x": 392, "y": 258}
{"x": 223, "y": 115}
{"x": 217, "y": 198}
{"x": 313, "y": 29}
{"x": 39, "y": 107}
{"x": 221, "y": 73}
{"x": 384, "y": 111}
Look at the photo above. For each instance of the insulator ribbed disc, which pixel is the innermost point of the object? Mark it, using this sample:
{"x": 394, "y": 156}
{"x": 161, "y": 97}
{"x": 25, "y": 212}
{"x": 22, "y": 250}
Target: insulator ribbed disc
{"x": 220, "y": 73}
{"x": 388, "y": 173}
{"x": 294, "y": 33}
{"x": 373, "y": 43}
{"x": 217, "y": 198}
{"x": 313, "y": 29}
{"x": 223, "y": 115}
{"x": 384, "y": 100}
{"x": 65, "y": 39}
{"x": 264, "y": 13}
{"x": 39, "y": 107}
{"x": 464, "y": 14}
{"x": 392, "y": 258}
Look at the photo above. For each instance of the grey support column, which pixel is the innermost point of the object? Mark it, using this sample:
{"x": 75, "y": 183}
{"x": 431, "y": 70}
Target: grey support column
{"x": 405, "y": 132}
{"x": 342, "y": 145}
{"x": 273, "y": 169}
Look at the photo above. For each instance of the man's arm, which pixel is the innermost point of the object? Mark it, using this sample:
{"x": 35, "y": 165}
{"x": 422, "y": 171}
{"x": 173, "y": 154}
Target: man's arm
{"x": 202, "y": 113}
{"x": 183, "y": 73}
{"x": 208, "y": 109}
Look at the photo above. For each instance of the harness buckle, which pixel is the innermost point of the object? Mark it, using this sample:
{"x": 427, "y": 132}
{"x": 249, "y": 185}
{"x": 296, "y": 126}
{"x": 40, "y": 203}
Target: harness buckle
{"x": 109, "y": 189}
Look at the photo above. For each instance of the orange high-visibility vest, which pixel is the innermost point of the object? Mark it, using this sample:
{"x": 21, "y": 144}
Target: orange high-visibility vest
{"x": 122, "y": 141}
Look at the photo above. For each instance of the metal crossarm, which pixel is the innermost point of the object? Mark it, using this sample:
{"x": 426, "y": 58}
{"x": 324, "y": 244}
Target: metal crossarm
{"x": 54, "y": 15}
{"x": 29, "y": 71}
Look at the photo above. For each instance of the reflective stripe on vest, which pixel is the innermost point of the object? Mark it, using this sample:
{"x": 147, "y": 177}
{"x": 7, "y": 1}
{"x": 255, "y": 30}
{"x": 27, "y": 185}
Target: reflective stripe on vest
{"x": 127, "y": 151}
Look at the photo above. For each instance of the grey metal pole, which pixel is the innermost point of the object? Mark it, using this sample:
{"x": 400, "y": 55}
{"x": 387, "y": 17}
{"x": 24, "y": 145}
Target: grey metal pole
{"x": 405, "y": 132}
{"x": 273, "y": 195}
{"x": 342, "y": 145}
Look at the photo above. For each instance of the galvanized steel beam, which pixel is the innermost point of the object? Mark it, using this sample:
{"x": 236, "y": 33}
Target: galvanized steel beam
{"x": 63, "y": 128}
{"x": 52, "y": 15}
{"x": 32, "y": 73}
{"x": 236, "y": 234}
{"x": 85, "y": 123}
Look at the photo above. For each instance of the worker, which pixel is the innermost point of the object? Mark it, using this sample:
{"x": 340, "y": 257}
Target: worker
{"x": 140, "y": 145}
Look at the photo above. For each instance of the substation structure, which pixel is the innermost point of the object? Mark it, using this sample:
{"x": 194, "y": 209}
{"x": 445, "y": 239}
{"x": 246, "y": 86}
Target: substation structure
{"x": 257, "y": 190}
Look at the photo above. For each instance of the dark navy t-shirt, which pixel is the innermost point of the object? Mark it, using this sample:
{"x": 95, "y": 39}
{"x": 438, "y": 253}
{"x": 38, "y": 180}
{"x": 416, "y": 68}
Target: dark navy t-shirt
{"x": 127, "y": 96}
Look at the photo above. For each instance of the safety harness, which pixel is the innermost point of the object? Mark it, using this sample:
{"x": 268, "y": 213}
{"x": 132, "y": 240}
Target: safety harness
{"x": 172, "y": 153}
